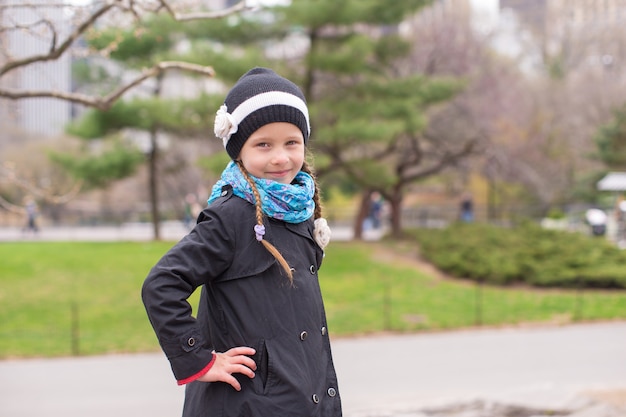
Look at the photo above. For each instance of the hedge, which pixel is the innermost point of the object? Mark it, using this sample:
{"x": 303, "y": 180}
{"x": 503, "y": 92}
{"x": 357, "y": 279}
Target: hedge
{"x": 525, "y": 253}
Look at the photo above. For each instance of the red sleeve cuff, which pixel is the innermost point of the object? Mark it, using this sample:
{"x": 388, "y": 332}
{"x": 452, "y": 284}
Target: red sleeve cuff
{"x": 199, "y": 374}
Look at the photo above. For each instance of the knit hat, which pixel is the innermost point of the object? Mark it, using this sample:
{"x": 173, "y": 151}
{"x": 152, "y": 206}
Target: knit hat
{"x": 259, "y": 97}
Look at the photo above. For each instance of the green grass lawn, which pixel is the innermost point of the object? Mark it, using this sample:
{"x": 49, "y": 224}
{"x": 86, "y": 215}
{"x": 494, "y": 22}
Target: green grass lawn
{"x": 58, "y": 298}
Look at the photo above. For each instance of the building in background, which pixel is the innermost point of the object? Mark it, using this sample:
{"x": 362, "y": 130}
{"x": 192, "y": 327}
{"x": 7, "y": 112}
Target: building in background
{"x": 41, "y": 116}
{"x": 584, "y": 34}
{"x": 556, "y": 14}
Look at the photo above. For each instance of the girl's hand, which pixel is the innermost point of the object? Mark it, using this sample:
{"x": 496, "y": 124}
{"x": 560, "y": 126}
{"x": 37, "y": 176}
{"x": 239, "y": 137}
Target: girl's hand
{"x": 233, "y": 361}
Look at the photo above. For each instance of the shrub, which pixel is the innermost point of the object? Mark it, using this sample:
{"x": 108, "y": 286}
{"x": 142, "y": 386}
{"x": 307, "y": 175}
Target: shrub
{"x": 525, "y": 253}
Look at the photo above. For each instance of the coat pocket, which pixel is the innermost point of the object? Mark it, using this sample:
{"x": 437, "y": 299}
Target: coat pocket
{"x": 262, "y": 368}
{"x": 265, "y": 378}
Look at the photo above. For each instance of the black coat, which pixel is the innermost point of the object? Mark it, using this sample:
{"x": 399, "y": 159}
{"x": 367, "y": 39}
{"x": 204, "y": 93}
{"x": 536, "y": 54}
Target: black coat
{"x": 246, "y": 300}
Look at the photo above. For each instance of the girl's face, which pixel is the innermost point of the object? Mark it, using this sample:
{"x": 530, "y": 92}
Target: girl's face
{"x": 275, "y": 152}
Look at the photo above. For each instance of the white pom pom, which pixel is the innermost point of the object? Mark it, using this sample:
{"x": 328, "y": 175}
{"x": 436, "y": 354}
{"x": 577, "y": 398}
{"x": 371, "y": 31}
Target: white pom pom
{"x": 225, "y": 124}
{"x": 321, "y": 232}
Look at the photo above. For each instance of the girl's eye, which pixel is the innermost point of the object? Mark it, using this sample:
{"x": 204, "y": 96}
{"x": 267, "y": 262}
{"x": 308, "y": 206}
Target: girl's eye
{"x": 262, "y": 144}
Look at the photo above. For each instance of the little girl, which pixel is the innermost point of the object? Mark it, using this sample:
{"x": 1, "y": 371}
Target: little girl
{"x": 259, "y": 345}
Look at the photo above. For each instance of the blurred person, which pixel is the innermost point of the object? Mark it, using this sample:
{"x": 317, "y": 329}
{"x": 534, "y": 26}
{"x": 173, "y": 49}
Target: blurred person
{"x": 376, "y": 210}
{"x": 467, "y": 209}
{"x": 192, "y": 210}
{"x": 32, "y": 213}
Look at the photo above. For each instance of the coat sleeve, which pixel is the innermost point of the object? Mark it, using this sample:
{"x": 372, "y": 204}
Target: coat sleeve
{"x": 205, "y": 253}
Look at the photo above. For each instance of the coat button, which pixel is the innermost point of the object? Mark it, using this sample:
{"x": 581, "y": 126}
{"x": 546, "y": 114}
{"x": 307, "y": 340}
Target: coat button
{"x": 315, "y": 398}
{"x": 323, "y": 330}
{"x": 312, "y": 269}
{"x": 191, "y": 341}
{"x": 332, "y": 392}
{"x": 224, "y": 193}
{"x": 303, "y": 335}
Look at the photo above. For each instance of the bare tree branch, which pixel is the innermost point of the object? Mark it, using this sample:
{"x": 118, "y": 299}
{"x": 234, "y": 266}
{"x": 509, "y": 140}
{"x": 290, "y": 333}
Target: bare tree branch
{"x": 55, "y": 52}
{"x": 449, "y": 158}
{"x": 182, "y": 17}
{"x": 104, "y": 103}
{"x": 13, "y": 208}
{"x": 10, "y": 175}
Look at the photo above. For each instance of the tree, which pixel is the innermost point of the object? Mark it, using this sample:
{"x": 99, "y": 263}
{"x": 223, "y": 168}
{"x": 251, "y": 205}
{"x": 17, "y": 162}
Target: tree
{"x": 63, "y": 38}
{"x": 567, "y": 88}
{"x": 611, "y": 141}
{"x": 154, "y": 113}
{"x": 368, "y": 104}
{"x": 26, "y": 173}
{"x": 538, "y": 119}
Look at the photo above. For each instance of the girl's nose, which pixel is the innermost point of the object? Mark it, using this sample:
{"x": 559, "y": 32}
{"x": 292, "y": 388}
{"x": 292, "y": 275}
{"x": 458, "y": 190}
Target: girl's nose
{"x": 280, "y": 156}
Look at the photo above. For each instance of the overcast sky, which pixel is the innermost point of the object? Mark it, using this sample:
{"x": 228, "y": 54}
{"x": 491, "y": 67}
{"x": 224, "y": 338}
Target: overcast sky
{"x": 485, "y": 5}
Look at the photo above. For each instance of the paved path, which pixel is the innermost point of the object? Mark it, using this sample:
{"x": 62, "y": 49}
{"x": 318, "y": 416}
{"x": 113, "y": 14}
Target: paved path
{"x": 380, "y": 376}
{"x": 171, "y": 230}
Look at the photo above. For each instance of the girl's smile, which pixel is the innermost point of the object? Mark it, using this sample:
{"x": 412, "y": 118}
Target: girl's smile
{"x": 275, "y": 152}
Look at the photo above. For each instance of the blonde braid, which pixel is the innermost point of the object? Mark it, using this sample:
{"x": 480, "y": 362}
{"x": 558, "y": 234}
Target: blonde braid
{"x": 259, "y": 219}
{"x": 321, "y": 230}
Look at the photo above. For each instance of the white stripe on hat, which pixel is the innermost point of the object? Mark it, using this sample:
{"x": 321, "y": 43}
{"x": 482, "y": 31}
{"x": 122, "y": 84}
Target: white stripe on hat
{"x": 271, "y": 98}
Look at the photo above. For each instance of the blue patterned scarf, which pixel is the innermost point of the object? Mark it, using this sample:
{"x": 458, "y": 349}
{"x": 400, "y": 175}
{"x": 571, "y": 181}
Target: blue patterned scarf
{"x": 292, "y": 203}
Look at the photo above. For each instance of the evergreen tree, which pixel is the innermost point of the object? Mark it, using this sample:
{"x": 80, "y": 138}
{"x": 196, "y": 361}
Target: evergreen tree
{"x": 611, "y": 141}
{"x": 134, "y": 48}
{"x": 369, "y": 107}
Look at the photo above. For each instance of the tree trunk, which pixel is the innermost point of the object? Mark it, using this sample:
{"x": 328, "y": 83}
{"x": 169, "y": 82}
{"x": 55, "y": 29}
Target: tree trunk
{"x": 395, "y": 204}
{"x": 154, "y": 159}
{"x": 491, "y": 200}
{"x": 364, "y": 208}
{"x": 154, "y": 189}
